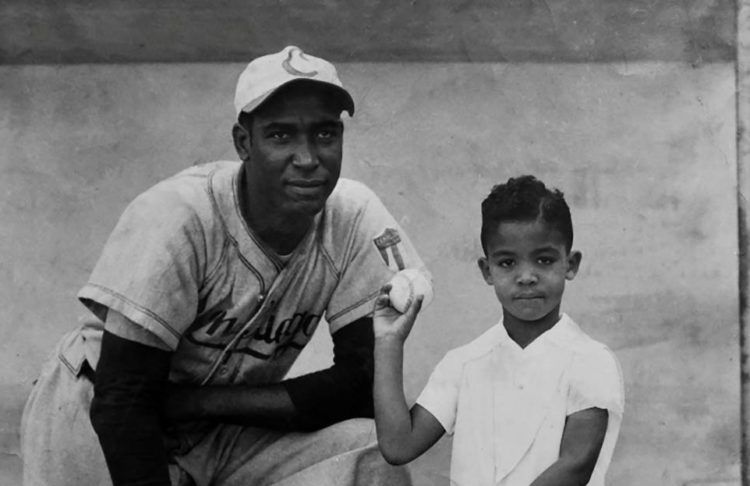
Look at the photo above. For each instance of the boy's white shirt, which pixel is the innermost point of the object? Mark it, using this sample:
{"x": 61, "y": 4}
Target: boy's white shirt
{"x": 506, "y": 406}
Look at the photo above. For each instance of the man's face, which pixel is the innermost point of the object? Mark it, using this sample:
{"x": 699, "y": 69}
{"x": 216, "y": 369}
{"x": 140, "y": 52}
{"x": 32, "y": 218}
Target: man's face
{"x": 293, "y": 160}
{"x": 527, "y": 264}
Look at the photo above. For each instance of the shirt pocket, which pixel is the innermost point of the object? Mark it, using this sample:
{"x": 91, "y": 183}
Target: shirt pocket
{"x": 72, "y": 352}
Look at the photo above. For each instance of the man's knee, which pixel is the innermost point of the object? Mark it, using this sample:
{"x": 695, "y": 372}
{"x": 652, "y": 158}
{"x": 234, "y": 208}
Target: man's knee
{"x": 353, "y": 433}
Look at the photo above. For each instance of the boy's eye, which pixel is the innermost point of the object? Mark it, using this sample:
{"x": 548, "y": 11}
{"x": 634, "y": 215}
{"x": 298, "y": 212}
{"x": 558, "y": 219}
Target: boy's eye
{"x": 505, "y": 263}
{"x": 545, "y": 260}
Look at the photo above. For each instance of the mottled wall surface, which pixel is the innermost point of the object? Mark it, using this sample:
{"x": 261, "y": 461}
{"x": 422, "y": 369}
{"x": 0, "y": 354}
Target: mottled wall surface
{"x": 137, "y": 31}
{"x": 644, "y": 151}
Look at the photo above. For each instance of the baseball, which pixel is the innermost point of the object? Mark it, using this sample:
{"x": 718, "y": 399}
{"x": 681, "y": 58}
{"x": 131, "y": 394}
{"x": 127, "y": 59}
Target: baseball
{"x": 406, "y": 285}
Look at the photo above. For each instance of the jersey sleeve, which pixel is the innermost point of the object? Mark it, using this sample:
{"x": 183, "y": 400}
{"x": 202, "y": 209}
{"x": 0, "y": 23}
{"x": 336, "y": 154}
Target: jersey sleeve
{"x": 440, "y": 395}
{"x": 150, "y": 268}
{"x": 596, "y": 381}
{"x": 369, "y": 248}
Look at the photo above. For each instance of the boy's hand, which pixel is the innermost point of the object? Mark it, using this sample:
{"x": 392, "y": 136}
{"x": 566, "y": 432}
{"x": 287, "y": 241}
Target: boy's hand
{"x": 390, "y": 323}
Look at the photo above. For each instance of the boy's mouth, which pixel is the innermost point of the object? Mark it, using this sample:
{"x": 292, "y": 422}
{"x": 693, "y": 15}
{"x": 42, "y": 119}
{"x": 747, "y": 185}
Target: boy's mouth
{"x": 528, "y": 296}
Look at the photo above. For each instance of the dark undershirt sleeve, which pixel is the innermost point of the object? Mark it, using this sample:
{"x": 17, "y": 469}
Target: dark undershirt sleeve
{"x": 129, "y": 385}
{"x": 342, "y": 391}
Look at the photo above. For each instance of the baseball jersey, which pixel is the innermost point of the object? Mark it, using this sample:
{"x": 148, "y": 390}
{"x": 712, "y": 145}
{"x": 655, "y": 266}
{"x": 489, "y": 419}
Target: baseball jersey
{"x": 506, "y": 405}
{"x": 183, "y": 264}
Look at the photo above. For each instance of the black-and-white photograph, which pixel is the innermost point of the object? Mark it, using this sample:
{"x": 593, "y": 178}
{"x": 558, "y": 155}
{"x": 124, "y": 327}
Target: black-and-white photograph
{"x": 417, "y": 243}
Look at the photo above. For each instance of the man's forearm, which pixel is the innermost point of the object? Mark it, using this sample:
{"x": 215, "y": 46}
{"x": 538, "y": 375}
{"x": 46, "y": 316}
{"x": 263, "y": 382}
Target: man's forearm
{"x": 332, "y": 390}
{"x": 131, "y": 441}
{"x": 268, "y": 406}
{"x": 307, "y": 402}
{"x": 128, "y": 388}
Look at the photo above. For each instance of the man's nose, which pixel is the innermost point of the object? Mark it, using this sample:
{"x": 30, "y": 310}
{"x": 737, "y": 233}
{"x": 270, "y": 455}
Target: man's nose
{"x": 304, "y": 156}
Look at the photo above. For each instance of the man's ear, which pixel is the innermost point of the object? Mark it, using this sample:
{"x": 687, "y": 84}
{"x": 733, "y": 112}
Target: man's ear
{"x": 574, "y": 262}
{"x": 242, "y": 141}
{"x": 484, "y": 267}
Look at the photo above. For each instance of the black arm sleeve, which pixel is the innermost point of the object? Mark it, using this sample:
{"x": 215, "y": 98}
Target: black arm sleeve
{"x": 129, "y": 384}
{"x": 342, "y": 391}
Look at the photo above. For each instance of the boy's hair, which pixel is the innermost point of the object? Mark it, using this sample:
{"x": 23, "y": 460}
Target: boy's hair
{"x": 526, "y": 198}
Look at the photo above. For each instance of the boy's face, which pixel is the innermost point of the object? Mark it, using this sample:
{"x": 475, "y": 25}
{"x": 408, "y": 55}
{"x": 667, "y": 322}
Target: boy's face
{"x": 527, "y": 264}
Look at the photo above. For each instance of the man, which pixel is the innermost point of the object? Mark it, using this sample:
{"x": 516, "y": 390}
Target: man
{"x": 209, "y": 286}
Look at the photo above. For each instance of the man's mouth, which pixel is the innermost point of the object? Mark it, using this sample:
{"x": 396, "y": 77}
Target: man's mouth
{"x": 306, "y": 182}
{"x": 306, "y": 187}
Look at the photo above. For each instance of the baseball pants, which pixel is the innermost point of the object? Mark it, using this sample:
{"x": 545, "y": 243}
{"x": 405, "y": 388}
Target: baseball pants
{"x": 60, "y": 448}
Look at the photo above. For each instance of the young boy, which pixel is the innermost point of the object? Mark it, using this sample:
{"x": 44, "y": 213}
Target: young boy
{"x": 533, "y": 400}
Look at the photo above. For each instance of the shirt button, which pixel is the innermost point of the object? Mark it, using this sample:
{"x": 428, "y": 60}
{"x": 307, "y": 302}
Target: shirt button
{"x": 261, "y": 297}
{"x": 224, "y": 370}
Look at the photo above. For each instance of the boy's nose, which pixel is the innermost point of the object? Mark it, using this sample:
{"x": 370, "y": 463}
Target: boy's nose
{"x": 527, "y": 277}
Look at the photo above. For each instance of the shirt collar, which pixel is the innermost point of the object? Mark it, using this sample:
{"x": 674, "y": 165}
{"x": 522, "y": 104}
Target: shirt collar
{"x": 225, "y": 194}
{"x": 561, "y": 334}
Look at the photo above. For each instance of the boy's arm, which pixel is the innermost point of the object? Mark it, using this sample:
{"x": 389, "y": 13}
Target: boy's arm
{"x": 403, "y": 435}
{"x": 582, "y": 440}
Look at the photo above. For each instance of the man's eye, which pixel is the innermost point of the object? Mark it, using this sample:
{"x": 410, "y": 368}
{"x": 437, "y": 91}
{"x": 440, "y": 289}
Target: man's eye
{"x": 327, "y": 135}
{"x": 278, "y": 135}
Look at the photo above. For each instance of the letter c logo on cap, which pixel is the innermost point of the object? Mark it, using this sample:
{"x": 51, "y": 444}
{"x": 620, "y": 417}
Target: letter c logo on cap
{"x": 296, "y": 53}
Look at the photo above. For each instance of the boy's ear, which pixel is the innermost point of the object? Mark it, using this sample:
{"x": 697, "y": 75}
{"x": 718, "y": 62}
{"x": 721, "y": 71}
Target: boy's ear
{"x": 484, "y": 267}
{"x": 574, "y": 262}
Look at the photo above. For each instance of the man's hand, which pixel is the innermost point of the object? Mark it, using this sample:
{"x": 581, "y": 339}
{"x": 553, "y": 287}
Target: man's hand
{"x": 390, "y": 323}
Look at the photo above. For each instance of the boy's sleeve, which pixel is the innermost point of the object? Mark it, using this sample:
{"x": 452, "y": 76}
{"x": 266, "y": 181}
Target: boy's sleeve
{"x": 440, "y": 395}
{"x": 596, "y": 381}
{"x": 150, "y": 269}
{"x": 372, "y": 247}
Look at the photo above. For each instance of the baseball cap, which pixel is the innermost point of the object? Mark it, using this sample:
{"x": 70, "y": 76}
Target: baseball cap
{"x": 264, "y": 75}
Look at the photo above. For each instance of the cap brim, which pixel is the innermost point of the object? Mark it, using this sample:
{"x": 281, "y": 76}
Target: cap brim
{"x": 347, "y": 103}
